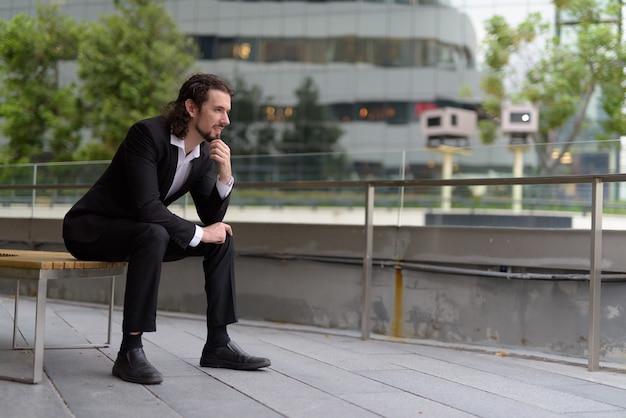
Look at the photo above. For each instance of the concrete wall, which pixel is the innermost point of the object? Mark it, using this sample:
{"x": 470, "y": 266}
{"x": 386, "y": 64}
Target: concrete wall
{"x": 506, "y": 287}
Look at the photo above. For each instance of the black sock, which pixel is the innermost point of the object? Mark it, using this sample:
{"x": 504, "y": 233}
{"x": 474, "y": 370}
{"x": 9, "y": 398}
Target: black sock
{"x": 130, "y": 341}
{"x": 218, "y": 337}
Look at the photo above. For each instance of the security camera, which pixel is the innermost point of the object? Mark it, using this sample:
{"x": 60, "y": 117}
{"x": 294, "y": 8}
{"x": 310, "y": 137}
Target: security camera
{"x": 520, "y": 119}
{"x": 448, "y": 125}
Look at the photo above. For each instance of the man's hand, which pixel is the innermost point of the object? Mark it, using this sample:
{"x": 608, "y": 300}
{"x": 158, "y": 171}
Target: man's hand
{"x": 216, "y": 233}
{"x": 220, "y": 152}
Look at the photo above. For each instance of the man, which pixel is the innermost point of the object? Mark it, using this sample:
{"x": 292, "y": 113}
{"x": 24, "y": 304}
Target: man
{"x": 124, "y": 216}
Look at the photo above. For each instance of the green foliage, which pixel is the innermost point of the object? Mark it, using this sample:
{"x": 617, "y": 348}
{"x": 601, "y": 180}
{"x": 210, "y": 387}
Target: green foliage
{"x": 247, "y": 135}
{"x": 41, "y": 117}
{"x": 310, "y": 131}
{"x": 488, "y": 131}
{"x": 131, "y": 64}
{"x": 566, "y": 72}
{"x": 502, "y": 42}
{"x": 92, "y": 151}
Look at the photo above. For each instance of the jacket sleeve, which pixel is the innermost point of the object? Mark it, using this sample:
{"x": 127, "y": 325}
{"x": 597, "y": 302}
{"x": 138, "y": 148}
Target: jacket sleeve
{"x": 210, "y": 206}
{"x": 142, "y": 159}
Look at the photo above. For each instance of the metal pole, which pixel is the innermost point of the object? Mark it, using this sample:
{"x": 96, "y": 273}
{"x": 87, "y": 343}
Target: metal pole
{"x": 16, "y": 311}
{"x": 446, "y": 171}
{"x": 595, "y": 275}
{"x": 518, "y": 171}
{"x": 40, "y": 329}
{"x": 402, "y": 177}
{"x": 367, "y": 262}
{"x": 34, "y": 193}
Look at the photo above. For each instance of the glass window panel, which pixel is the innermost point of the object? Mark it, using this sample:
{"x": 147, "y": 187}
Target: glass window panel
{"x": 366, "y": 51}
{"x": 271, "y": 50}
{"x": 314, "y": 50}
{"x": 381, "y": 52}
{"x": 421, "y": 53}
{"x": 430, "y": 53}
{"x": 292, "y": 50}
{"x": 372, "y": 111}
{"x": 344, "y": 112}
{"x": 401, "y": 53}
{"x": 342, "y": 49}
{"x": 445, "y": 57}
{"x": 398, "y": 112}
{"x": 206, "y": 47}
{"x": 225, "y": 48}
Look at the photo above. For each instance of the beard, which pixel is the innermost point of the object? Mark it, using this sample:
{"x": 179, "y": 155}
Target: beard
{"x": 205, "y": 134}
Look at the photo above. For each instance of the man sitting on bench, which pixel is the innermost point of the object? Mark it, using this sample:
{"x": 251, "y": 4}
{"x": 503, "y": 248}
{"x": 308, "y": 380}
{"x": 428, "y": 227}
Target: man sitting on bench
{"x": 124, "y": 217}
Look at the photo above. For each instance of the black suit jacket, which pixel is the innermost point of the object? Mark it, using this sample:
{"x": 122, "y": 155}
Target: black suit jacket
{"x": 134, "y": 186}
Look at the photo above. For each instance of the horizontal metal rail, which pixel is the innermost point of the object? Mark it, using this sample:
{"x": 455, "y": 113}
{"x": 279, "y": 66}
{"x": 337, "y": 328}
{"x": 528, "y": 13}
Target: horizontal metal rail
{"x": 329, "y": 184}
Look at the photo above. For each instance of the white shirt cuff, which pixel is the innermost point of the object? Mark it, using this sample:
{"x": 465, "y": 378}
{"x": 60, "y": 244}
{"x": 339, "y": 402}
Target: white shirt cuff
{"x": 224, "y": 189}
{"x": 197, "y": 237}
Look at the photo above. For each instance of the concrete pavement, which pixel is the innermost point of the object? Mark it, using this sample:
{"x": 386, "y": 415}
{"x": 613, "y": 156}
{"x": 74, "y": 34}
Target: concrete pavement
{"x": 314, "y": 373}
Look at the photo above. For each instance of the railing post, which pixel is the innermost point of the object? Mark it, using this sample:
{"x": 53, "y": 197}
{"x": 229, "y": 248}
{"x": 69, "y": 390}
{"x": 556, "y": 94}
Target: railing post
{"x": 34, "y": 193}
{"x": 401, "y": 197}
{"x": 367, "y": 262}
{"x": 595, "y": 275}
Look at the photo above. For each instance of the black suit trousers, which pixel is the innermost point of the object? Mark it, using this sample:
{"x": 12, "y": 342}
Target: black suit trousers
{"x": 145, "y": 247}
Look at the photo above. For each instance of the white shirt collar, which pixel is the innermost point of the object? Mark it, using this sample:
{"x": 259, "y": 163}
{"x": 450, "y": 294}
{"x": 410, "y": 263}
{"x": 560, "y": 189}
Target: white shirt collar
{"x": 180, "y": 143}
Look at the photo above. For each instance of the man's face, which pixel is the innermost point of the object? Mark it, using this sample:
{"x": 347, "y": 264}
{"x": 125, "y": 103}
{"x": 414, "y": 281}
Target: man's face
{"x": 212, "y": 117}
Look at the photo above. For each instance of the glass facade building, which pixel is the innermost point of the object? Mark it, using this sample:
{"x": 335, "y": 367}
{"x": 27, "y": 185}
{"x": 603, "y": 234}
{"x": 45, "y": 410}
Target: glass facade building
{"x": 377, "y": 64}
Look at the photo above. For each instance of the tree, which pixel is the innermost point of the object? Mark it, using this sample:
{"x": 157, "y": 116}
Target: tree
{"x": 248, "y": 135}
{"x": 131, "y": 64}
{"x": 310, "y": 130}
{"x": 561, "y": 82}
{"x": 41, "y": 117}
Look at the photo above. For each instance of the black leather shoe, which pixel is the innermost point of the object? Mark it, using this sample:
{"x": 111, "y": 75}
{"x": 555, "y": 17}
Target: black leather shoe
{"x": 231, "y": 357}
{"x": 133, "y": 366}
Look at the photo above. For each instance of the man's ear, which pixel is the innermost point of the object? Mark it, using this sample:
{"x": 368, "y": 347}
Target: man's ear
{"x": 191, "y": 107}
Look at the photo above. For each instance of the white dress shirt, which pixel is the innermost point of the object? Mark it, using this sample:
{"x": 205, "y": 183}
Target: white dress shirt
{"x": 183, "y": 168}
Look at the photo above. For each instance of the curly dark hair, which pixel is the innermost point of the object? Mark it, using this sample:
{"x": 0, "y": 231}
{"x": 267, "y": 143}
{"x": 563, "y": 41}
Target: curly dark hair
{"x": 196, "y": 88}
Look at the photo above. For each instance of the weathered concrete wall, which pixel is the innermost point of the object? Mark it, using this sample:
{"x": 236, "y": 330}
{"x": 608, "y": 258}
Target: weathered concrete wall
{"x": 312, "y": 274}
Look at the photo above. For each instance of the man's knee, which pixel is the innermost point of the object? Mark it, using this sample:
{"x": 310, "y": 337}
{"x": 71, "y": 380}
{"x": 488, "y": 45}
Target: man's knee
{"x": 229, "y": 244}
{"x": 226, "y": 248}
{"x": 154, "y": 235}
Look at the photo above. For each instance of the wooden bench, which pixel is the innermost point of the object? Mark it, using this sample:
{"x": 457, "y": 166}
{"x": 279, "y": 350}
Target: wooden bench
{"x": 42, "y": 266}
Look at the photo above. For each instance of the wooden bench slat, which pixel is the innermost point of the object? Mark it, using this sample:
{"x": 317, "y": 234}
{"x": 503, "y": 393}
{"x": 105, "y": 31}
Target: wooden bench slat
{"x": 50, "y": 260}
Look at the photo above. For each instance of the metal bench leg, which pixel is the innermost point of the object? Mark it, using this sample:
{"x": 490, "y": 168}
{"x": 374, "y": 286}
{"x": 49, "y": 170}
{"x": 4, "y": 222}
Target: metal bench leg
{"x": 38, "y": 345}
{"x": 15, "y": 313}
{"x": 40, "y": 328}
{"x": 107, "y": 343}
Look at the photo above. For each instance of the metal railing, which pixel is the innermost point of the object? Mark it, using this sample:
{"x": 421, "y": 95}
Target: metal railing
{"x": 595, "y": 256}
{"x": 596, "y": 183}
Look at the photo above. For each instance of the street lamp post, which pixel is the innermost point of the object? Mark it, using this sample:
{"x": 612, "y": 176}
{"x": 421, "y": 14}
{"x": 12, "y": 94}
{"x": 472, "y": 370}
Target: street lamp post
{"x": 519, "y": 122}
{"x": 448, "y": 131}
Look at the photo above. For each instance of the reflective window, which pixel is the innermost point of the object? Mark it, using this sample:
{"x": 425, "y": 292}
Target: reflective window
{"x": 271, "y": 50}
{"x": 395, "y": 53}
{"x": 206, "y": 47}
{"x": 388, "y": 112}
{"x": 225, "y": 48}
{"x": 342, "y": 49}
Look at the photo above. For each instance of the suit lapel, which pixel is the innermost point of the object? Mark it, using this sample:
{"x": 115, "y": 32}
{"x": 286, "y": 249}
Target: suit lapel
{"x": 171, "y": 163}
